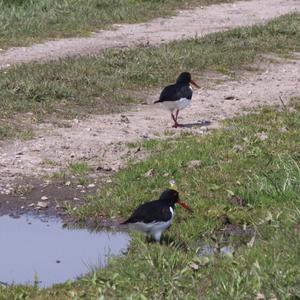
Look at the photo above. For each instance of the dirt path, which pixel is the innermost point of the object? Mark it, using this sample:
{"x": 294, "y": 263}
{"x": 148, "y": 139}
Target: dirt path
{"x": 187, "y": 24}
{"x": 101, "y": 139}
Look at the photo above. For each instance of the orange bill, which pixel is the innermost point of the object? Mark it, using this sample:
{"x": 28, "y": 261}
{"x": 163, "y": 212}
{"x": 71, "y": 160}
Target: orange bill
{"x": 195, "y": 84}
{"x": 183, "y": 204}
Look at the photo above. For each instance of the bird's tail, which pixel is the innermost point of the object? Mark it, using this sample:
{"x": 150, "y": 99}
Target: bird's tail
{"x": 157, "y": 101}
{"x": 124, "y": 222}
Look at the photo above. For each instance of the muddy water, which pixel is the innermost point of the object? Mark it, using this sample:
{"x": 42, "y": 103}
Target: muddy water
{"x": 42, "y": 251}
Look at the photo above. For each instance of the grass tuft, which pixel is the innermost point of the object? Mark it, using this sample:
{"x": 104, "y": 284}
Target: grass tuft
{"x": 24, "y": 22}
{"x": 79, "y": 168}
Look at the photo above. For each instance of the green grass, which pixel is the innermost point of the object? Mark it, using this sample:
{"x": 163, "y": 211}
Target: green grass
{"x": 266, "y": 173}
{"x": 9, "y": 131}
{"x": 24, "y": 22}
{"x": 104, "y": 84}
{"x": 79, "y": 168}
{"x": 76, "y": 173}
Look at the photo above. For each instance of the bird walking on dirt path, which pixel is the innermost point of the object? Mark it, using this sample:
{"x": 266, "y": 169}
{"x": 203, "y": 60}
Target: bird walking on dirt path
{"x": 178, "y": 96}
{"x": 156, "y": 216}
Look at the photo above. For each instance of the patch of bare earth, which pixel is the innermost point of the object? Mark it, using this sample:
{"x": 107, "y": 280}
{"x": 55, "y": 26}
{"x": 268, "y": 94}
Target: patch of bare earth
{"x": 101, "y": 140}
{"x": 186, "y": 24}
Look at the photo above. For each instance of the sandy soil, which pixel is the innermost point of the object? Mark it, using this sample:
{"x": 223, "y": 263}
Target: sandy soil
{"x": 186, "y": 24}
{"x": 102, "y": 138}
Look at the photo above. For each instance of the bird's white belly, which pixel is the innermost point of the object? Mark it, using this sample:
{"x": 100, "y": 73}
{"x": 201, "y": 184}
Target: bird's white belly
{"x": 155, "y": 229}
{"x": 179, "y": 104}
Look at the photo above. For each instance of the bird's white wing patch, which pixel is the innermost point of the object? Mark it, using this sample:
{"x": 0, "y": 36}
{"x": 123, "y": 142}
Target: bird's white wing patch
{"x": 172, "y": 211}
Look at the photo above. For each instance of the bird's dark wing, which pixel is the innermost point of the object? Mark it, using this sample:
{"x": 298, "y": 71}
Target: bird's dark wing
{"x": 150, "y": 212}
{"x": 175, "y": 92}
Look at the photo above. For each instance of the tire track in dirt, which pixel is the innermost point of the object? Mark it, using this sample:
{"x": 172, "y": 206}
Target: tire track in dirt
{"x": 186, "y": 24}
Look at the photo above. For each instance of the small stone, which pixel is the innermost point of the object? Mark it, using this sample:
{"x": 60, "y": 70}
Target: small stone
{"x": 194, "y": 266}
{"x": 262, "y": 136}
{"x": 204, "y": 128}
{"x": 91, "y": 185}
{"x": 68, "y": 183}
{"x": 42, "y": 204}
{"x": 44, "y": 198}
{"x": 149, "y": 173}
{"x": 193, "y": 163}
{"x": 249, "y": 92}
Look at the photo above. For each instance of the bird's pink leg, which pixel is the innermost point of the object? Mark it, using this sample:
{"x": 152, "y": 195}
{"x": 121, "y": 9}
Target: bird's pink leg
{"x": 173, "y": 117}
{"x": 175, "y": 121}
{"x": 176, "y": 116}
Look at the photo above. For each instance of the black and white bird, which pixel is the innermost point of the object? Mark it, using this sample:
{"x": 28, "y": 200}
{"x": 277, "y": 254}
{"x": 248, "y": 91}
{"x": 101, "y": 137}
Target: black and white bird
{"x": 178, "y": 96}
{"x": 156, "y": 216}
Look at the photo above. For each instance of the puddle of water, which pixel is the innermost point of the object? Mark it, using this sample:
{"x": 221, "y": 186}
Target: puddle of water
{"x": 32, "y": 249}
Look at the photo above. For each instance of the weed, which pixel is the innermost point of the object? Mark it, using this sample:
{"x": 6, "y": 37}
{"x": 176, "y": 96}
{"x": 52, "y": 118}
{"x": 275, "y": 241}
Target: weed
{"x": 79, "y": 168}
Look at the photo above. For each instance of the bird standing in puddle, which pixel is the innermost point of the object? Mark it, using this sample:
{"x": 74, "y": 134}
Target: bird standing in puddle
{"x": 154, "y": 217}
{"x": 178, "y": 96}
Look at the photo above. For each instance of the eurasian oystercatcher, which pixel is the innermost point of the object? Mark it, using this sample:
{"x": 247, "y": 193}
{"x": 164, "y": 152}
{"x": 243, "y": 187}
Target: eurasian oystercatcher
{"x": 178, "y": 96}
{"x": 156, "y": 216}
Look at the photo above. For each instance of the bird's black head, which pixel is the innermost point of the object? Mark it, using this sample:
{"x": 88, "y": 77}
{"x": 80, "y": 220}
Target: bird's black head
{"x": 184, "y": 78}
{"x": 171, "y": 197}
